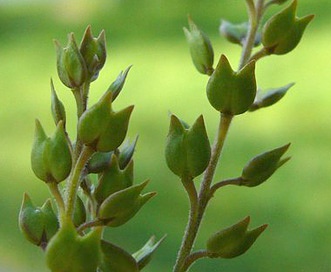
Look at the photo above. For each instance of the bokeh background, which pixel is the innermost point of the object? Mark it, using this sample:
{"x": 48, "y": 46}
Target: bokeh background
{"x": 296, "y": 202}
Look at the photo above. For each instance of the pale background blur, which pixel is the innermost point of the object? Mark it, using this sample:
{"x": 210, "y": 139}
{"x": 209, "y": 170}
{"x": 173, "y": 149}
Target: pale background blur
{"x": 296, "y": 202}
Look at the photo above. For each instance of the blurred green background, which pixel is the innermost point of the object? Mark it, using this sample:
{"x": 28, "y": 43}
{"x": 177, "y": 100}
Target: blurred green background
{"x": 296, "y": 202}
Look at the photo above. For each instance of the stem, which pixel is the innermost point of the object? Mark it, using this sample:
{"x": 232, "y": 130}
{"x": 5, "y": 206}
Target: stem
{"x": 197, "y": 211}
{"x": 75, "y": 178}
{"x": 259, "y": 55}
{"x": 255, "y": 15}
{"x": 90, "y": 224}
{"x": 216, "y": 186}
{"x": 58, "y": 199}
{"x": 189, "y": 236}
{"x": 193, "y": 257}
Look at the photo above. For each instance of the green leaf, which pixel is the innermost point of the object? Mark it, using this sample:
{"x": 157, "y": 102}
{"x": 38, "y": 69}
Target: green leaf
{"x": 232, "y": 92}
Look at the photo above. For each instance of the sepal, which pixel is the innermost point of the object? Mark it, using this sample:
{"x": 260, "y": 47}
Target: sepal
{"x": 237, "y": 33}
{"x": 116, "y": 259}
{"x": 46, "y": 152}
{"x": 201, "y": 50}
{"x": 57, "y": 107}
{"x": 116, "y": 87}
{"x": 70, "y": 252}
{"x": 187, "y": 150}
{"x": 283, "y": 32}
{"x": 102, "y": 128}
{"x": 234, "y": 241}
{"x": 93, "y": 51}
{"x": 38, "y": 224}
{"x": 270, "y": 98}
{"x": 113, "y": 180}
{"x": 121, "y": 206}
{"x": 232, "y": 92}
{"x": 145, "y": 254}
{"x": 71, "y": 66}
{"x": 261, "y": 167}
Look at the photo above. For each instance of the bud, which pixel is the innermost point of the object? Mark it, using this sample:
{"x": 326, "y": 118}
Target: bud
{"x": 99, "y": 162}
{"x": 232, "y": 92}
{"x": 270, "y": 98}
{"x": 58, "y": 111}
{"x": 144, "y": 255}
{"x": 121, "y": 206}
{"x": 70, "y": 252}
{"x": 187, "y": 150}
{"x": 260, "y": 168}
{"x": 79, "y": 216}
{"x": 235, "y": 240}
{"x": 37, "y": 224}
{"x": 101, "y": 127}
{"x": 126, "y": 153}
{"x": 50, "y": 156}
{"x": 113, "y": 180}
{"x": 93, "y": 51}
{"x": 282, "y": 32}
{"x": 71, "y": 67}
{"x": 116, "y": 87}
{"x": 236, "y": 33}
{"x": 201, "y": 49}
{"x": 116, "y": 259}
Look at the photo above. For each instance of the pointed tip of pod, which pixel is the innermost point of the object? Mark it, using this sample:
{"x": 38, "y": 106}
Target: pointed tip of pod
{"x": 26, "y": 200}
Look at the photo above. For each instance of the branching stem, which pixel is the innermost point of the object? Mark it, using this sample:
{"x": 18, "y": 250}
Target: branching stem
{"x": 54, "y": 188}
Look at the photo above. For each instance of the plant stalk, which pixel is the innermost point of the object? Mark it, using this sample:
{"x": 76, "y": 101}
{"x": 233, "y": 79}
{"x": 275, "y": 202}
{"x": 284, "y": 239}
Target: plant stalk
{"x": 75, "y": 178}
{"x": 197, "y": 211}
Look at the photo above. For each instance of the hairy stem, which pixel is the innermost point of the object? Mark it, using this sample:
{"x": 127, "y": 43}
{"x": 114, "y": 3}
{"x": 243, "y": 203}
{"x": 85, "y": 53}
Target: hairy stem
{"x": 220, "y": 184}
{"x": 197, "y": 212}
{"x": 54, "y": 188}
{"x": 90, "y": 224}
{"x": 75, "y": 178}
{"x": 255, "y": 15}
{"x": 193, "y": 257}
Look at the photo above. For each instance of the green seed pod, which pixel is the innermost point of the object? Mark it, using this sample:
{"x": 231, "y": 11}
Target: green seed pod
{"x": 93, "y": 51}
{"x": 115, "y": 259}
{"x": 116, "y": 87}
{"x": 58, "y": 110}
{"x": 113, "y": 180}
{"x": 79, "y": 216}
{"x": 51, "y": 156}
{"x": 202, "y": 53}
{"x": 236, "y": 33}
{"x": 232, "y": 92}
{"x": 121, "y": 206}
{"x": 187, "y": 150}
{"x": 101, "y": 127}
{"x": 261, "y": 167}
{"x": 70, "y": 252}
{"x": 282, "y": 32}
{"x": 71, "y": 66}
{"x": 37, "y": 224}
{"x": 99, "y": 162}
{"x": 270, "y": 98}
{"x": 234, "y": 241}
{"x": 144, "y": 255}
